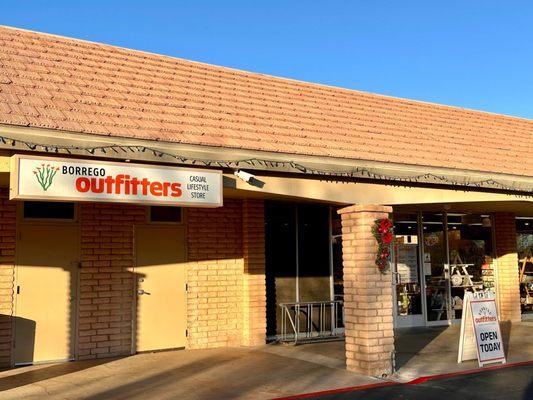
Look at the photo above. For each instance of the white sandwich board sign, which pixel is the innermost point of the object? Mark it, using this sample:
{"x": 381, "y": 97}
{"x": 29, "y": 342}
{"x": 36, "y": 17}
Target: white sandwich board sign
{"x": 480, "y": 336}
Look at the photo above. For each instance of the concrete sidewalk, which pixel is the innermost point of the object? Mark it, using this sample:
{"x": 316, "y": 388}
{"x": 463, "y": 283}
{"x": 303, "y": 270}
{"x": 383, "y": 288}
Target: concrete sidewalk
{"x": 236, "y": 373}
{"x": 240, "y": 373}
{"x": 430, "y": 351}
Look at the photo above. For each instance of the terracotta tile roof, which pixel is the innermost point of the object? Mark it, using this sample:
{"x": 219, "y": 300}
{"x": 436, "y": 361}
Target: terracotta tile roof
{"x": 67, "y": 84}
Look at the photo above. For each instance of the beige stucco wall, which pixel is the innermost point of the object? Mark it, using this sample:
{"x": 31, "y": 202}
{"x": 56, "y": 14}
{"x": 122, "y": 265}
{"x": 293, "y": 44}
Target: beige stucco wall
{"x": 346, "y": 193}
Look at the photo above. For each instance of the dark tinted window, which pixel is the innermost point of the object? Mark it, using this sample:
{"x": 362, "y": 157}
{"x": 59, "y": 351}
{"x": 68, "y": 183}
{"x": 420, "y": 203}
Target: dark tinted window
{"x": 295, "y": 232}
{"x": 313, "y": 241}
{"x": 524, "y": 225}
{"x": 48, "y": 210}
{"x": 165, "y": 214}
{"x": 280, "y": 257}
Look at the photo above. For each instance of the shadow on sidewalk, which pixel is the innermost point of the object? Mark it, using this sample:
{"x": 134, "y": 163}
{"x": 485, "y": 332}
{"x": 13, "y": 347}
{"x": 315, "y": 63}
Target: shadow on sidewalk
{"x": 410, "y": 342}
{"x": 40, "y": 373}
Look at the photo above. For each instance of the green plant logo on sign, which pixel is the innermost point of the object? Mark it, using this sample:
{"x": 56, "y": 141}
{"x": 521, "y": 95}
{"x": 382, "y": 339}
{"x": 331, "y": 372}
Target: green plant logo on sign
{"x": 45, "y": 175}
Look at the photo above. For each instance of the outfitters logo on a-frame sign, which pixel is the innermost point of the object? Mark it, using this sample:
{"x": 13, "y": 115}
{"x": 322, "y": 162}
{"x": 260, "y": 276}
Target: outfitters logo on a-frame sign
{"x": 56, "y": 179}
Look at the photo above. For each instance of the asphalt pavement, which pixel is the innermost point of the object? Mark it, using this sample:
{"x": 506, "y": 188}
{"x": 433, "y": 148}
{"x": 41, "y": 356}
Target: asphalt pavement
{"x": 509, "y": 383}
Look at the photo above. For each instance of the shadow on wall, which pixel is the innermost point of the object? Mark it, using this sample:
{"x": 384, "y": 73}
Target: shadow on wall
{"x": 159, "y": 288}
{"x": 104, "y": 288}
{"x": 46, "y": 293}
{"x": 24, "y": 347}
{"x": 211, "y": 254}
{"x": 74, "y": 287}
{"x": 71, "y": 297}
{"x": 216, "y": 274}
{"x": 62, "y": 324}
{"x": 50, "y": 334}
{"x": 62, "y": 307}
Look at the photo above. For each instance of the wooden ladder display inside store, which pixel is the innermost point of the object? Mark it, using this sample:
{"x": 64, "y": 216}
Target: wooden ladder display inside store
{"x": 459, "y": 269}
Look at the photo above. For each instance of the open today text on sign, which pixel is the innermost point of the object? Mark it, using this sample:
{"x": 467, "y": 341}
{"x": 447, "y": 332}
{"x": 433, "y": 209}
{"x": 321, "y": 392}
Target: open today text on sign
{"x": 66, "y": 179}
{"x": 487, "y": 330}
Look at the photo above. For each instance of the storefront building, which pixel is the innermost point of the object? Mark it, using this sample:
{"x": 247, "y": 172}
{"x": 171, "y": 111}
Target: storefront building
{"x": 151, "y": 203}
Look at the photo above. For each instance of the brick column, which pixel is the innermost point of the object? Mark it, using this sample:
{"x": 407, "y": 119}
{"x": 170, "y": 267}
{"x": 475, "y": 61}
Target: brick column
{"x": 254, "y": 282}
{"x": 508, "y": 290}
{"x": 367, "y": 294}
{"x": 7, "y": 274}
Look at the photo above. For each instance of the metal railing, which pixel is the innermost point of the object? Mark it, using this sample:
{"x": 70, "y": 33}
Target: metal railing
{"x": 312, "y": 321}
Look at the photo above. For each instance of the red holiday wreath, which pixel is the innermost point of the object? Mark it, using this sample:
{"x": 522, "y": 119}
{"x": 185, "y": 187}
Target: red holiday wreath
{"x": 382, "y": 231}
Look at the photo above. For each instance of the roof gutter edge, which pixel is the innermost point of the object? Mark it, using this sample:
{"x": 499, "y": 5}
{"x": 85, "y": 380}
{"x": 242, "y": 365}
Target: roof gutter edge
{"x": 18, "y": 138}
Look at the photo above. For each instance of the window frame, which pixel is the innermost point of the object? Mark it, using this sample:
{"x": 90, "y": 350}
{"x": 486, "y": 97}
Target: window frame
{"x": 22, "y": 217}
{"x": 180, "y": 222}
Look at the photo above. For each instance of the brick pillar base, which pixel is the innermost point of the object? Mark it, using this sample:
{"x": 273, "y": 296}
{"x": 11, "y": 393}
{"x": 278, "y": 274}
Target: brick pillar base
{"x": 508, "y": 290}
{"x": 254, "y": 307}
{"x": 367, "y": 294}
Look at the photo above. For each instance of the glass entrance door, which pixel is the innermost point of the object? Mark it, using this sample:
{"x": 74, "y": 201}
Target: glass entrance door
{"x": 437, "y": 258}
{"x": 435, "y": 269}
{"x": 470, "y": 255}
{"x": 406, "y": 268}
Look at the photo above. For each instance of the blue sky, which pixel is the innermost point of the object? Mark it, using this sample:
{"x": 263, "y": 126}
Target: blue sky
{"x": 474, "y": 54}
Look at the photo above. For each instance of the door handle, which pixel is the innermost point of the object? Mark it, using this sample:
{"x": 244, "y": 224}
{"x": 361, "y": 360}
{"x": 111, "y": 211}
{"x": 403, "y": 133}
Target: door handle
{"x": 398, "y": 278}
{"x": 140, "y": 292}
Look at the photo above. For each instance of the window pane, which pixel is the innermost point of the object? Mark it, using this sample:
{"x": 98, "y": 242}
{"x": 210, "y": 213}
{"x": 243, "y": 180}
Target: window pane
{"x": 406, "y": 263}
{"x": 436, "y": 277}
{"x": 165, "y": 214}
{"x": 313, "y": 253}
{"x": 524, "y": 230}
{"x": 524, "y": 234}
{"x": 471, "y": 267}
{"x": 280, "y": 257}
{"x": 48, "y": 210}
{"x": 338, "y": 274}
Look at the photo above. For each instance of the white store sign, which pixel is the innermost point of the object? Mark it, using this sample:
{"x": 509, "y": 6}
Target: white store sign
{"x": 65, "y": 179}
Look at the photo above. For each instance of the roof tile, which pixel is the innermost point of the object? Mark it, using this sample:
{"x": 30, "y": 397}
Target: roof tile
{"x": 67, "y": 84}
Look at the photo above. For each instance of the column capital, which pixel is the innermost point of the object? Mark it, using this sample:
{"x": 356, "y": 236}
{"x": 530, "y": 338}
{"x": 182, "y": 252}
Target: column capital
{"x": 361, "y": 208}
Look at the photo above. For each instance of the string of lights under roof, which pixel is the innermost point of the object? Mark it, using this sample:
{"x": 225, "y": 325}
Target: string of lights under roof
{"x": 356, "y": 172}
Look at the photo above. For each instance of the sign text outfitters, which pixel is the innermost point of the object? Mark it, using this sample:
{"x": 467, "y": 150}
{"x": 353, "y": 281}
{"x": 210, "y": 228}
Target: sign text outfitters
{"x": 44, "y": 178}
